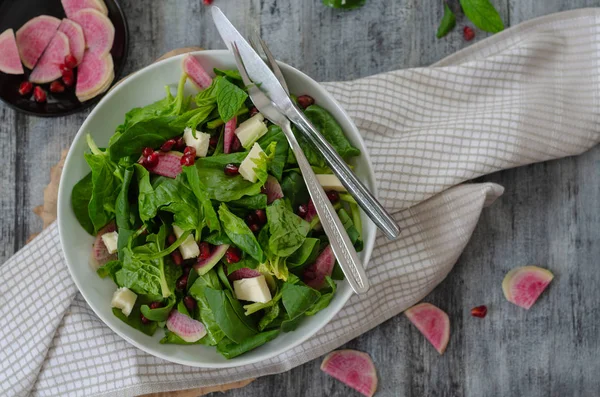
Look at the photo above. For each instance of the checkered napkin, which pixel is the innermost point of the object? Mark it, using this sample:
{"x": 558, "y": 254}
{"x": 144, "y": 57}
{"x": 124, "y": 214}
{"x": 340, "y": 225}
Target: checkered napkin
{"x": 522, "y": 96}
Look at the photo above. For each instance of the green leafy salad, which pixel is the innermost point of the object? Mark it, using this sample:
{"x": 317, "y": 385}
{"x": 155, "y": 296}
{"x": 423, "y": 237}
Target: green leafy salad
{"x": 204, "y": 223}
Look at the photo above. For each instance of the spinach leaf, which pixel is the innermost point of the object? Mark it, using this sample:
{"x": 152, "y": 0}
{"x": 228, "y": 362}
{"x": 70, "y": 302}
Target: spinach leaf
{"x": 213, "y": 332}
{"x": 307, "y": 253}
{"x": 447, "y": 23}
{"x": 483, "y": 14}
{"x": 256, "y": 202}
{"x": 275, "y": 134}
{"x": 217, "y": 238}
{"x": 192, "y": 118}
{"x": 271, "y": 314}
{"x": 161, "y": 313}
{"x": 331, "y": 130}
{"x": 105, "y": 187}
{"x": 109, "y": 269}
{"x": 233, "y": 74}
{"x": 230, "y": 98}
{"x": 134, "y": 319}
{"x": 205, "y": 206}
{"x": 223, "y": 277}
{"x": 241, "y": 235}
{"x": 294, "y": 189}
{"x": 218, "y": 161}
{"x": 325, "y": 298}
{"x": 174, "y": 339}
{"x": 287, "y": 229}
{"x": 345, "y": 4}
{"x": 297, "y": 299}
{"x": 290, "y": 324}
{"x": 123, "y": 215}
{"x": 227, "y": 317}
{"x": 230, "y": 349}
{"x": 80, "y": 200}
{"x": 353, "y": 233}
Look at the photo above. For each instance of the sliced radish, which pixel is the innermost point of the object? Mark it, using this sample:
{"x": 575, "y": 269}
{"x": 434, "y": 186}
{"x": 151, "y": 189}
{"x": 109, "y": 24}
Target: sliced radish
{"x": 204, "y": 265}
{"x": 196, "y": 72}
{"x": 169, "y": 164}
{"x": 100, "y": 254}
{"x": 433, "y": 323}
{"x": 273, "y": 189}
{"x": 311, "y": 212}
{"x": 94, "y": 75}
{"x": 185, "y": 327}
{"x": 524, "y": 285}
{"x": 353, "y": 368}
{"x": 244, "y": 272}
{"x": 10, "y": 62}
{"x": 314, "y": 275}
{"x": 33, "y": 38}
{"x": 48, "y": 67}
{"x": 98, "y": 30}
{"x": 72, "y": 6}
{"x": 229, "y": 134}
{"x": 75, "y": 35}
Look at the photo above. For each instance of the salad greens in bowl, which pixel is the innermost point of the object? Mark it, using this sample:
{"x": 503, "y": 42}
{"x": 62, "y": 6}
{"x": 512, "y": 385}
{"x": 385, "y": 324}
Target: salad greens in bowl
{"x": 185, "y": 221}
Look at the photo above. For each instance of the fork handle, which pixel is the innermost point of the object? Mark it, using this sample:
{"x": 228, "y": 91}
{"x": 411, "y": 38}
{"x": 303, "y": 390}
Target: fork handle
{"x": 338, "y": 238}
{"x": 355, "y": 187}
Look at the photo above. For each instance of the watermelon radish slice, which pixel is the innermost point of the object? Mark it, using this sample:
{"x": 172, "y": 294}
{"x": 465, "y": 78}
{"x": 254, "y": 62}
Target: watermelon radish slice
{"x": 228, "y": 134}
{"x": 48, "y": 67}
{"x": 273, "y": 189}
{"x": 196, "y": 72}
{"x": 244, "y": 272}
{"x": 185, "y": 327}
{"x": 72, "y": 6}
{"x": 75, "y": 35}
{"x": 353, "y": 368}
{"x": 169, "y": 164}
{"x": 94, "y": 75}
{"x": 204, "y": 265}
{"x": 98, "y": 30}
{"x": 100, "y": 253}
{"x": 432, "y": 322}
{"x": 34, "y": 37}
{"x": 314, "y": 275}
{"x": 524, "y": 285}
{"x": 10, "y": 62}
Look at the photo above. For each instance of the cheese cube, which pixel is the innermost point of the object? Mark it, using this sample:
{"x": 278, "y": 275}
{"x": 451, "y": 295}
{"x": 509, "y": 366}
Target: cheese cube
{"x": 189, "y": 249}
{"x": 124, "y": 299}
{"x": 247, "y": 167}
{"x": 330, "y": 182}
{"x": 253, "y": 289}
{"x": 200, "y": 143}
{"x": 251, "y": 130}
{"x": 110, "y": 241}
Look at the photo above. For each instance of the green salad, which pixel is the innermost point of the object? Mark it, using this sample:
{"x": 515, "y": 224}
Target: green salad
{"x": 204, "y": 223}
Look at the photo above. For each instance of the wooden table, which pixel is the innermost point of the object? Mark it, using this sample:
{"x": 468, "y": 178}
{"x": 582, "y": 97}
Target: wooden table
{"x": 548, "y": 215}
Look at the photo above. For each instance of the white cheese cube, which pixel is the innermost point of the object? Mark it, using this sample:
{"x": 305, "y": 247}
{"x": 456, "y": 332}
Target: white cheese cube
{"x": 330, "y": 182}
{"x": 189, "y": 249}
{"x": 110, "y": 241}
{"x": 200, "y": 143}
{"x": 253, "y": 289}
{"x": 251, "y": 130}
{"x": 247, "y": 167}
{"x": 124, "y": 299}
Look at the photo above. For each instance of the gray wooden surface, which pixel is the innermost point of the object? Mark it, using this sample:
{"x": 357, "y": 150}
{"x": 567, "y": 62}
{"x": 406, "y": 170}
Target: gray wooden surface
{"x": 548, "y": 215}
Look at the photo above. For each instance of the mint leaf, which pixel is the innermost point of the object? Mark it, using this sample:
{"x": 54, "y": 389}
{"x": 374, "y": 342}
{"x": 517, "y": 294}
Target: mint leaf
{"x": 447, "y": 23}
{"x": 230, "y": 98}
{"x": 483, "y": 14}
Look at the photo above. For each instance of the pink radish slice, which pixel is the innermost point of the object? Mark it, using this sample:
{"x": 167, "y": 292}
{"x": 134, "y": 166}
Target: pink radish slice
{"x": 48, "y": 67}
{"x": 314, "y": 275}
{"x": 312, "y": 211}
{"x": 228, "y": 134}
{"x": 273, "y": 189}
{"x": 353, "y": 368}
{"x": 34, "y": 37}
{"x": 100, "y": 253}
{"x": 94, "y": 75}
{"x": 432, "y": 322}
{"x": 10, "y": 62}
{"x": 75, "y": 35}
{"x": 524, "y": 285}
{"x": 169, "y": 165}
{"x": 204, "y": 265}
{"x": 196, "y": 72}
{"x": 185, "y": 327}
{"x": 98, "y": 30}
{"x": 244, "y": 272}
{"x": 72, "y": 6}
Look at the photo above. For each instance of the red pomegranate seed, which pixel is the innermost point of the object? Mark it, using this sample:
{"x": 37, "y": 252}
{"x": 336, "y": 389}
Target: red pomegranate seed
{"x": 189, "y": 302}
{"x": 479, "y": 311}
{"x": 187, "y": 160}
{"x": 251, "y": 218}
{"x": 261, "y": 215}
{"x": 189, "y": 151}
{"x": 171, "y": 239}
{"x": 168, "y": 145}
{"x": 333, "y": 196}
{"x": 180, "y": 143}
{"x": 25, "y": 88}
{"x": 214, "y": 140}
{"x": 156, "y": 305}
{"x": 253, "y": 111}
{"x": 236, "y": 145}
{"x": 231, "y": 170}
{"x": 233, "y": 255}
{"x": 182, "y": 282}
{"x": 468, "y": 33}
{"x": 39, "y": 94}
{"x": 302, "y": 210}
{"x": 144, "y": 319}
{"x": 69, "y": 79}
{"x": 70, "y": 61}
{"x": 254, "y": 227}
{"x": 57, "y": 87}
{"x": 207, "y": 2}
{"x": 204, "y": 250}
{"x": 147, "y": 151}
{"x": 305, "y": 101}
{"x": 151, "y": 160}
{"x": 177, "y": 258}
{"x": 64, "y": 69}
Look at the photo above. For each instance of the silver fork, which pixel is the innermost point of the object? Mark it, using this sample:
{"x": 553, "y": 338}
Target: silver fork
{"x": 338, "y": 238}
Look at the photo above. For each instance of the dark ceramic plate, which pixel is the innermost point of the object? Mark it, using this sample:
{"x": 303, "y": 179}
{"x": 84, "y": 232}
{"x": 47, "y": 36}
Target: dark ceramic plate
{"x": 14, "y": 14}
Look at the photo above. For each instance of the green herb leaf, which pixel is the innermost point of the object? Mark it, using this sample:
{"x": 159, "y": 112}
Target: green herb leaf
{"x": 241, "y": 235}
{"x": 288, "y": 230}
{"x": 483, "y": 14}
{"x": 80, "y": 200}
{"x": 230, "y": 98}
{"x": 230, "y": 349}
{"x": 298, "y": 298}
{"x": 105, "y": 188}
{"x": 222, "y": 304}
{"x": 447, "y": 23}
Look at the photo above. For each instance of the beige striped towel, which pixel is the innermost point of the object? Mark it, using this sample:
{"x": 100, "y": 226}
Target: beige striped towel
{"x": 528, "y": 94}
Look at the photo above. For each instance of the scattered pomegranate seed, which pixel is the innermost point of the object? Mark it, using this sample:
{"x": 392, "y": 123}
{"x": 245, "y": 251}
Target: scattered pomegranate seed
{"x": 177, "y": 258}
{"x": 333, "y": 196}
{"x": 254, "y": 227}
{"x": 236, "y": 145}
{"x": 189, "y": 151}
{"x": 231, "y": 170}
{"x": 57, "y": 87}
{"x": 261, "y": 215}
{"x": 144, "y": 319}
{"x": 253, "y": 111}
{"x": 233, "y": 255}
{"x": 207, "y": 2}
{"x": 204, "y": 250}
{"x": 468, "y": 33}
{"x": 171, "y": 239}
{"x": 25, "y": 88}
{"x": 39, "y": 94}
{"x": 305, "y": 101}
{"x": 151, "y": 160}
{"x": 156, "y": 305}
{"x": 168, "y": 145}
{"x": 180, "y": 143}
{"x": 189, "y": 302}
{"x": 181, "y": 282}
{"x": 70, "y": 61}
{"x": 69, "y": 79}
{"x": 147, "y": 151}
{"x": 302, "y": 210}
{"x": 214, "y": 140}
{"x": 479, "y": 311}
{"x": 187, "y": 160}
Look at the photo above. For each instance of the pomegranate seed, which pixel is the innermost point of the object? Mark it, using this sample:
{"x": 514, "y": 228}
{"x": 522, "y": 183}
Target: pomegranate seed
{"x": 251, "y": 218}
{"x": 171, "y": 239}
{"x": 261, "y": 215}
{"x": 302, "y": 210}
{"x": 207, "y": 2}
{"x": 156, "y": 305}
{"x": 70, "y": 61}
{"x": 64, "y": 69}
{"x": 254, "y": 227}
{"x": 39, "y": 94}
{"x": 189, "y": 302}
{"x": 168, "y": 145}
{"x": 144, "y": 319}
{"x": 204, "y": 250}
{"x": 305, "y": 101}
{"x": 57, "y": 87}
{"x": 177, "y": 258}
{"x": 333, "y": 196}
{"x": 236, "y": 145}
{"x": 189, "y": 151}
{"x": 468, "y": 33}
{"x": 187, "y": 160}
{"x": 151, "y": 160}
{"x": 180, "y": 143}
{"x": 479, "y": 311}
{"x": 69, "y": 79}
{"x": 214, "y": 140}
{"x": 147, "y": 151}
{"x": 231, "y": 170}
{"x": 253, "y": 111}
{"x": 182, "y": 282}
{"x": 25, "y": 88}
{"x": 186, "y": 270}
{"x": 233, "y": 255}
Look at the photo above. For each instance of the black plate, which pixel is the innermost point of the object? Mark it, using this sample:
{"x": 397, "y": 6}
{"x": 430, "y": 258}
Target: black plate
{"x": 14, "y": 14}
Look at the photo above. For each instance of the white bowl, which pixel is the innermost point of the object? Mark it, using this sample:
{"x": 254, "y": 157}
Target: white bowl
{"x": 143, "y": 88}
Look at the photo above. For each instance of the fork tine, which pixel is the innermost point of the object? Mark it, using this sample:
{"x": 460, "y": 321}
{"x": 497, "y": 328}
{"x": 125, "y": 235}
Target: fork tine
{"x": 273, "y": 63}
{"x": 240, "y": 65}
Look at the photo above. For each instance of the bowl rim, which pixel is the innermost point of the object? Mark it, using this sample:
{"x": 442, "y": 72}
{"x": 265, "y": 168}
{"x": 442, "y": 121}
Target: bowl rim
{"x": 64, "y": 206}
